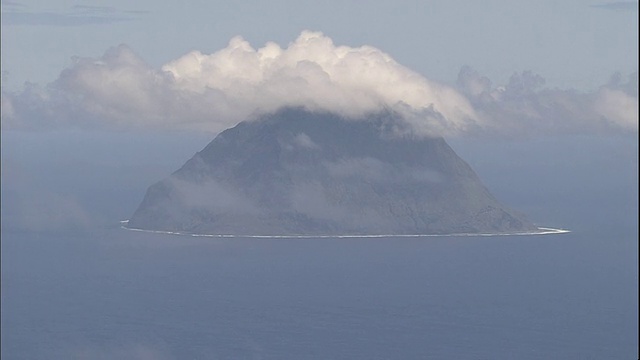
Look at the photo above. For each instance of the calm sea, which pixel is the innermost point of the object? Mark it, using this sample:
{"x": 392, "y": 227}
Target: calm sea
{"x": 117, "y": 294}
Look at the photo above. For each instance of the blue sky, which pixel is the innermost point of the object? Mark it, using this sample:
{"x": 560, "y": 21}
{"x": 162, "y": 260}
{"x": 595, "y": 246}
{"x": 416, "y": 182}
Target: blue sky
{"x": 577, "y": 43}
{"x": 458, "y": 67}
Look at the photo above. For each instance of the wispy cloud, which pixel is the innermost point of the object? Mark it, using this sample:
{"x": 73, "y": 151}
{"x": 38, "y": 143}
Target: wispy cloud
{"x": 16, "y": 13}
{"x": 618, "y": 6}
{"x": 27, "y": 205}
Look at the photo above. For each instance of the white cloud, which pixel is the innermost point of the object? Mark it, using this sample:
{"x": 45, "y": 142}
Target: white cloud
{"x": 215, "y": 91}
{"x": 618, "y": 107}
{"x": 303, "y": 140}
{"x": 210, "y": 195}
{"x": 313, "y": 73}
{"x": 524, "y": 107}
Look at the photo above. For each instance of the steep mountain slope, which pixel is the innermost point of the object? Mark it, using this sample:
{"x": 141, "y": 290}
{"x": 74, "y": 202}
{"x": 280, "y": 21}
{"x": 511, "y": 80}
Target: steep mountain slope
{"x": 301, "y": 173}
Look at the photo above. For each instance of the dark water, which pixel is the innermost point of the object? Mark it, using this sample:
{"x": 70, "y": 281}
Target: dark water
{"x": 120, "y": 294}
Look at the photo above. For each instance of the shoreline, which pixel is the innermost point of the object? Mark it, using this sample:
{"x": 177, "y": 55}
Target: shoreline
{"x": 542, "y": 231}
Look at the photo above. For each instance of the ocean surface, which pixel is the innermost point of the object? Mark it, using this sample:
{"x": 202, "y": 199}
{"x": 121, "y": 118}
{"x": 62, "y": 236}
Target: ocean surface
{"x": 76, "y": 286}
{"x": 120, "y": 294}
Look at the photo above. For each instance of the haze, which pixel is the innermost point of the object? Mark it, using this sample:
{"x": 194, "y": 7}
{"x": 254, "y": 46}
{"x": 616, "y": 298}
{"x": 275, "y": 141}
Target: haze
{"x": 102, "y": 99}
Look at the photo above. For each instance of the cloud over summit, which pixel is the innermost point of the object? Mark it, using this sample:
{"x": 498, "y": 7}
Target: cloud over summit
{"x": 313, "y": 73}
{"x": 215, "y": 91}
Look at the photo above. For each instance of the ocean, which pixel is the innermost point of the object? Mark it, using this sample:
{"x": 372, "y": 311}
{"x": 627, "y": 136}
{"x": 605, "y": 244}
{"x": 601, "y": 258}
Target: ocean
{"x": 91, "y": 290}
{"x": 114, "y": 293}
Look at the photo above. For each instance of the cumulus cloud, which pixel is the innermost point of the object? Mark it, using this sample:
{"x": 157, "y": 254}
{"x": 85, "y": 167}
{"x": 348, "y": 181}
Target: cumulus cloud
{"x": 215, "y": 91}
{"x": 314, "y": 73}
{"x": 525, "y": 107}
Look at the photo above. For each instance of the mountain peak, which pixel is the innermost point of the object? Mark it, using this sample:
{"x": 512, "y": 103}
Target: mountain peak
{"x": 297, "y": 172}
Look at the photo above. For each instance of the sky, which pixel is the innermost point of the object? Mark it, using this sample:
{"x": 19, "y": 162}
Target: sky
{"x": 147, "y": 64}
{"x": 577, "y": 43}
{"x": 103, "y": 98}
{"x": 74, "y": 71}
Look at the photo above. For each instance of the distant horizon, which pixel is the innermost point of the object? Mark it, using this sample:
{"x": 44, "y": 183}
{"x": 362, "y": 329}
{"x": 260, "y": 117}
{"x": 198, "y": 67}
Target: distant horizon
{"x": 499, "y": 138}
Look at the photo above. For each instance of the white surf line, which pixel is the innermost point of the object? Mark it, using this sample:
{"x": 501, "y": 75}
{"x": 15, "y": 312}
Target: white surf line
{"x": 543, "y": 231}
